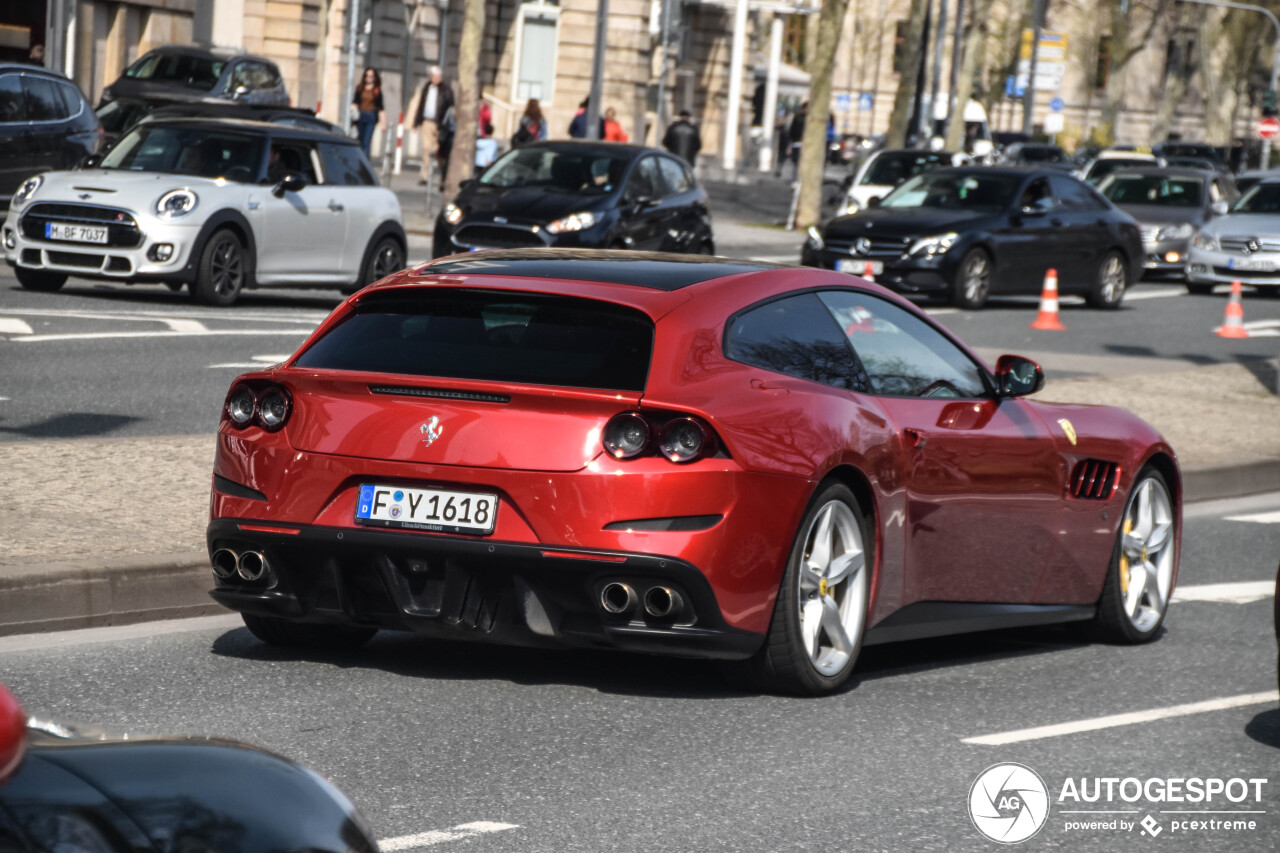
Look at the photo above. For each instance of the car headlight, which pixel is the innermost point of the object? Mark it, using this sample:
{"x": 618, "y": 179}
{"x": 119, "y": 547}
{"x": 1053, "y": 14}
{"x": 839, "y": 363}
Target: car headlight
{"x": 176, "y": 203}
{"x": 572, "y": 222}
{"x": 1207, "y": 242}
{"x": 452, "y": 213}
{"x": 26, "y": 191}
{"x": 815, "y": 238}
{"x": 938, "y": 244}
{"x": 1176, "y": 232}
{"x": 851, "y": 208}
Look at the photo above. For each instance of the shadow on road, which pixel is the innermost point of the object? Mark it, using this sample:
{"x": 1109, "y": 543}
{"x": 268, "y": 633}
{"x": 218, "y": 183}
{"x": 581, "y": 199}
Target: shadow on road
{"x": 1265, "y": 728}
{"x": 72, "y": 425}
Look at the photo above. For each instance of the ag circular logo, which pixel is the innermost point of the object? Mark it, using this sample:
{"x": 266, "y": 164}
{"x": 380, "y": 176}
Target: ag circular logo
{"x": 1008, "y": 803}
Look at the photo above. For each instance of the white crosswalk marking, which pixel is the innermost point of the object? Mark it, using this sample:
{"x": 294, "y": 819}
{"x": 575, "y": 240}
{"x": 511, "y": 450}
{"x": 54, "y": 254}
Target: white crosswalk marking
{"x": 439, "y": 836}
{"x": 1258, "y": 517}
{"x": 14, "y": 326}
{"x": 1226, "y": 593}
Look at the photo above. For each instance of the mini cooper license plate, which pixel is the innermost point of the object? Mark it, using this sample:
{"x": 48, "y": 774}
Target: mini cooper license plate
{"x": 74, "y": 233}
{"x": 856, "y": 267}
{"x": 426, "y": 509}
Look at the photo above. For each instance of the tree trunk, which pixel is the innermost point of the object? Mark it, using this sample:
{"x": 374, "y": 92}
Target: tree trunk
{"x": 462, "y": 158}
{"x": 912, "y": 48}
{"x": 813, "y": 151}
{"x": 968, "y": 67}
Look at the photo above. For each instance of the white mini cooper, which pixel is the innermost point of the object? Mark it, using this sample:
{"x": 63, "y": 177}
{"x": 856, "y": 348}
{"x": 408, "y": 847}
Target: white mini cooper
{"x": 218, "y": 205}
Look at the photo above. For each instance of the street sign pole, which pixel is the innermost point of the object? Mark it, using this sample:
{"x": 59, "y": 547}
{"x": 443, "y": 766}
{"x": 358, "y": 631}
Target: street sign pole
{"x": 1029, "y": 93}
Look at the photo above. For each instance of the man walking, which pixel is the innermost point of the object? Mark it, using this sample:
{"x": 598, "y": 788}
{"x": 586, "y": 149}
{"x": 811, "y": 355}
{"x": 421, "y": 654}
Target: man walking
{"x": 682, "y": 139}
{"x": 434, "y": 102}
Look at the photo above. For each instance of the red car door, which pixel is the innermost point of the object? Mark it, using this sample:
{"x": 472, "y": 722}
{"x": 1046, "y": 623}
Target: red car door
{"x": 982, "y": 478}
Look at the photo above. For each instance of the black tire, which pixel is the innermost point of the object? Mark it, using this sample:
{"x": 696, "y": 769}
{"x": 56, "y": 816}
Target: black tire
{"x": 784, "y": 664}
{"x": 971, "y": 286}
{"x": 223, "y": 270}
{"x": 304, "y": 635}
{"x": 1199, "y": 289}
{"x": 1110, "y": 282}
{"x": 383, "y": 257}
{"x": 1113, "y": 623}
{"x": 39, "y": 280}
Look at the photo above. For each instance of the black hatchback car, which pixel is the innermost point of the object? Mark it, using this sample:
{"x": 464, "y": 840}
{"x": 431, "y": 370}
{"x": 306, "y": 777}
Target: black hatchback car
{"x": 969, "y": 233}
{"x": 45, "y": 123}
{"x": 593, "y": 195}
{"x": 185, "y": 72}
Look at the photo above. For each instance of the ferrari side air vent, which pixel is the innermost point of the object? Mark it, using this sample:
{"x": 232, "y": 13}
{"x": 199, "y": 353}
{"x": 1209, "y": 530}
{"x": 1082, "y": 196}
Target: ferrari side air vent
{"x": 439, "y": 393}
{"x": 1094, "y": 479}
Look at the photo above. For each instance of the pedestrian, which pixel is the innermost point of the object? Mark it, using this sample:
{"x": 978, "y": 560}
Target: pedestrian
{"x": 578, "y": 125}
{"x": 683, "y": 139}
{"x": 795, "y": 135}
{"x": 533, "y": 126}
{"x": 36, "y": 57}
{"x": 435, "y": 102}
{"x": 613, "y": 131}
{"x": 486, "y": 145}
{"x": 367, "y": 104}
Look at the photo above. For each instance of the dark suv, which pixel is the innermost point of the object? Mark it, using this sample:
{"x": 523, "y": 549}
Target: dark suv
{"x": 180, "y": 72}
{"x": 45, "y": 123}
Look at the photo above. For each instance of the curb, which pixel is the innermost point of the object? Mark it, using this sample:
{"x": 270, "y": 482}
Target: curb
{"x": 62, "y": 596}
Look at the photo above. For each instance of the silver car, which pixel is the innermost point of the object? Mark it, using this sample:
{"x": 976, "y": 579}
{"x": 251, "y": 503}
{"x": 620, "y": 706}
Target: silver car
{"x": 1242, "y": 246}
{"x": 218, "y": 205}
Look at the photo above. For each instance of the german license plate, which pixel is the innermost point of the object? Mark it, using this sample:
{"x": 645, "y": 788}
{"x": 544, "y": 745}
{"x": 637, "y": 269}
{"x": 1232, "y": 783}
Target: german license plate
{"x": 426, "y": 509}
{"x": 860, "y": 267}
{"x": 75, "y": 233}
{"x": 1251, "y": 265}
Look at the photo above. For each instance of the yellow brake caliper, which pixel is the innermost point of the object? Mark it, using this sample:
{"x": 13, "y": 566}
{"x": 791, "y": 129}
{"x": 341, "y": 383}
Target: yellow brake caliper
{"x": 1124, "y": 559}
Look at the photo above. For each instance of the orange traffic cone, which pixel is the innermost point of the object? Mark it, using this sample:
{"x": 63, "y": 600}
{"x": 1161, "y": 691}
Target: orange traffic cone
{"x": 866, "y": 272}
{"x": 1048, "y": 317}
{"x": 1233, "y": 321}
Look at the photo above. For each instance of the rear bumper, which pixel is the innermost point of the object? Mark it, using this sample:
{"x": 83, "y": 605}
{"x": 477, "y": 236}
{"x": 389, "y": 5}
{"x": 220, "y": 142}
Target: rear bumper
{"x": 473, "y": 589}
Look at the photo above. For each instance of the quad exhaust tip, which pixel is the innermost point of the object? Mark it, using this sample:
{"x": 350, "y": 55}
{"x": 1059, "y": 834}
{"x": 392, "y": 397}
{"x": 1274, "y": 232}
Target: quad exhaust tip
{"x": 661, "y": 602}
{"x": 618, "y": 598}
{"x": 253, "y": 566}
{"x": 224, "y": 563}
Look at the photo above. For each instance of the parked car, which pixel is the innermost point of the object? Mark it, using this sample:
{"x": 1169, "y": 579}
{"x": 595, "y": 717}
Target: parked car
{"x": 1170, "y": 205}
{"x": 1198, "y": 150}
{"x": 886, "y": 169}
{"x": 1110, "y": 160}
{"x": 597, "y": 195}
{"x": 122, "y": 114}
{"x": 69, "y": 788}
{"x": 965, "y": 234}
{"x": 45, "y": 123}
{"x": 187, "y": 72}
{"x": 1036, "y": 154}
{"x": 1242, "y": 246}
{"x": 688, "y": 456}
{"x": 219, "y": 205}
{"x": 1193, "y": 163}
{"x": 1245, "y": 180}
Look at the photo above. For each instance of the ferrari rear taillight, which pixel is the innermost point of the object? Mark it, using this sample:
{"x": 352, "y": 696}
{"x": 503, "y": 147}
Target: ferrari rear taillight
{"x": 679, "y": 438}
{"x": 266, "y": 405}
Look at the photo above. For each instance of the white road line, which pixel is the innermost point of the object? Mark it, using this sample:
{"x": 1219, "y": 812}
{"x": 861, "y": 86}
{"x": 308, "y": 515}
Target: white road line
{"x": 207, "y": 333}
{"x": 1164, "y": 293}
{"x": 180, "y": 324}
{"x": 1115, "y": 720}
{"x": 258, "y": 361}
{"x": 1228, "y": 593}
{"x": 1258, "y": 517}
{"x": 457, "y": 833}
{"x": 261, "y": 317}
{"x": 14, "y": 326}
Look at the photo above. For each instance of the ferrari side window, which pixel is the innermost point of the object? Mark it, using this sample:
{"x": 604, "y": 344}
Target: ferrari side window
{"x": 794, "y": 336}
{"x": 902, "y": 354}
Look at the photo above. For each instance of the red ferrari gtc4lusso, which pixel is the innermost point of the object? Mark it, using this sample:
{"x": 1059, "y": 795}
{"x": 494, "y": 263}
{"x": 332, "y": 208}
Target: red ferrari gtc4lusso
{"x": 688, "y": 456}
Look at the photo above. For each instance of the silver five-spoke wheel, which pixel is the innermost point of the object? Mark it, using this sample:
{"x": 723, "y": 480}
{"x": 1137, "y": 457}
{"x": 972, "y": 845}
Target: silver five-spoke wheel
{"x": 1147, "y": 554}
{"x": 833, "y": 588}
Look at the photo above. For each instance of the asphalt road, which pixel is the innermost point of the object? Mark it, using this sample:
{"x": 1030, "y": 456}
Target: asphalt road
{"x": 99, "y": 360}
{"x": 589, "y": 752}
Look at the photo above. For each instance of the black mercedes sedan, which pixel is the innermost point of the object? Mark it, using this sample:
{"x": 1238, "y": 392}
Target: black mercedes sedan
{"x": 1171, "y": 206}
{"x": 592, "y": 195}
{"x": 71, "y": 789}
{"x": 965, "y": 234}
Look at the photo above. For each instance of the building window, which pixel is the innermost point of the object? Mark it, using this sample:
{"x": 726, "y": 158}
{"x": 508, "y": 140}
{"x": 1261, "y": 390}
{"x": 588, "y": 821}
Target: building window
{"x": 1180, "y": 55}
{"x": 795, "y": 36}
{"x": 1102, "y": 73}
{"x": 536, "y": 76}
{"x": 899, "y": 46}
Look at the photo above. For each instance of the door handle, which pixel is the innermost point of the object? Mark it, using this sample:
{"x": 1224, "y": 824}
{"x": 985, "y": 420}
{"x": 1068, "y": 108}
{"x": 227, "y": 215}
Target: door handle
{"x": 915, "y": 438}
{"x": 335, "y": 207}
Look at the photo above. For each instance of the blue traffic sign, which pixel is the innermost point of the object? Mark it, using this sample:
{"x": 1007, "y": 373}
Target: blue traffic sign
{"x": 1056, "y": 105}
{"x": 866, "y": 102}
{"x": 843, "y": 102}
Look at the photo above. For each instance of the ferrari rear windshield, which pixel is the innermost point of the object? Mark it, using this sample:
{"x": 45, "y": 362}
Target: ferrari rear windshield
{"x": 498, "y": 336}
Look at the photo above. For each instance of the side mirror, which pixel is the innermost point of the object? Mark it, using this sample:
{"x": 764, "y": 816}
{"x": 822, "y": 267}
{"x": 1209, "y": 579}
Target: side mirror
{"x": 1218, "y": 208}
{"x": 468, "y": 182}
{"x": 1017, "y": 376}
{"x": 240, "y": 92}
{"x": 873, "y": 202}
{"x": 13, "y": 734}
{"x": 89, "y": 161}
{"x": 292, "y": 182}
